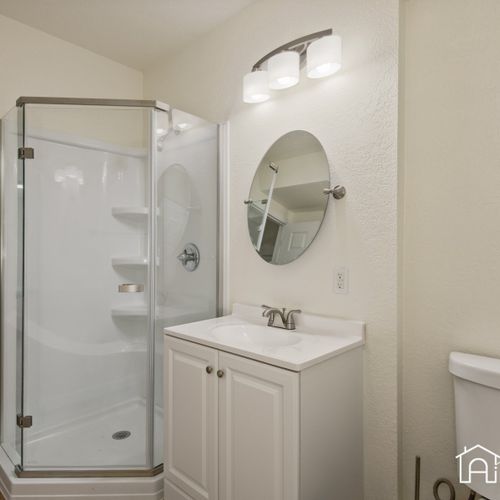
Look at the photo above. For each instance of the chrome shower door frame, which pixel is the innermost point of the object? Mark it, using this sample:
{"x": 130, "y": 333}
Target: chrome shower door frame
{"x": 150, "y": 468}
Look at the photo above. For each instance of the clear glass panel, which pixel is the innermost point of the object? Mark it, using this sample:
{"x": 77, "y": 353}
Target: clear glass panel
{"x": 11, "y": 283}
{"x": 187, "y": 205}
{"x": 87, "y": 230}
{"x": 77, "y": 223}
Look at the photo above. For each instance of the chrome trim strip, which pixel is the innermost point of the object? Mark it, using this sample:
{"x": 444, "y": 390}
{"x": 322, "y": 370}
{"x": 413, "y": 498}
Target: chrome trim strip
{"x": 218, "y": 246}
{"x": 79, "y": 101}
{"x": 151, "y": 296}
{"x": 223, "y": 195}
{"x": 65, "y": 473}
{"x": 21, "y": 333}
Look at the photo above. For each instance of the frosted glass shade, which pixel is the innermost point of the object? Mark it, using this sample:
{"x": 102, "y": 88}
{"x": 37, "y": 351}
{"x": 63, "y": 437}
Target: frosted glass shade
{"x": 284, "y": 70}
{"x": 255, "y": 87}
{"x": 324, "y": 57}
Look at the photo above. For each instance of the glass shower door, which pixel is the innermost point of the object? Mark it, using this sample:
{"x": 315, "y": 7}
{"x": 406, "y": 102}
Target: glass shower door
{"x": 11, "y": 283}
{"x": 88, "y": 268}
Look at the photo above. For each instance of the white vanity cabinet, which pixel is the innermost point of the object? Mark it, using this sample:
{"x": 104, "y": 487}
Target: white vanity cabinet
{"x": 258, "y": 430}
{"x": 191, "y": 419}
{"x": 240, "y": 429}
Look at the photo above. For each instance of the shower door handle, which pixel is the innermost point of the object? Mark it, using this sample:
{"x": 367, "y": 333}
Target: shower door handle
{"x": 130, "y": 288}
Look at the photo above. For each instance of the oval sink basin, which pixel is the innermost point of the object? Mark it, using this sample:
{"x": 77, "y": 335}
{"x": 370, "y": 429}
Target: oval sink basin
{"x": 255, "y": 335}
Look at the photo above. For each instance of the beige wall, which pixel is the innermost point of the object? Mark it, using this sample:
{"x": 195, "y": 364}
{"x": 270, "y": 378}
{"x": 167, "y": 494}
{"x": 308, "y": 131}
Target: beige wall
{"x": 354, "y": 115}
{"x": 34, "y": 63}
{"x": 451, "y": 224}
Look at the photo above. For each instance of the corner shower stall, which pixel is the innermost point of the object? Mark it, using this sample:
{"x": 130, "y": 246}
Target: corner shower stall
{"x": 103, "y": 202}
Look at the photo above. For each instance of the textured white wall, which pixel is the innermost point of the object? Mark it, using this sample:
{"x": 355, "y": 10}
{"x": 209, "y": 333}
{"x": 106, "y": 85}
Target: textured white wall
{"x": 354, "y": 115}
{"x": 34, "y": 63}
{"x": 451, "y": 229}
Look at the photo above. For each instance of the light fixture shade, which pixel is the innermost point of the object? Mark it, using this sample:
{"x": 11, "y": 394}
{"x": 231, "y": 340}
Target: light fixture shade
{"x": 284, "y": 70}
{"x": 255, "y": 87}
{"x": 324, "y": 56}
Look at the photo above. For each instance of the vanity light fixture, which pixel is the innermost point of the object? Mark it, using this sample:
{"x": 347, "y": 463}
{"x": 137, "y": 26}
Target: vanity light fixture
{"x": 280, "y": 69}
{"x": 284, "y": 70}
{"x": 255, "y": 87}
{"x": 324, "y": 56}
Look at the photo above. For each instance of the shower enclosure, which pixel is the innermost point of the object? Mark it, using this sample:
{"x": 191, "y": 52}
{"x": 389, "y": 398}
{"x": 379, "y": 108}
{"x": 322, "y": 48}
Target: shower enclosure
{"x": 100, "y": 198}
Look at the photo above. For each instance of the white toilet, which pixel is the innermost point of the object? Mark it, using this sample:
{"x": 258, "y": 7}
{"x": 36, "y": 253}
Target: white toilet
{"x": 477, "y": 421}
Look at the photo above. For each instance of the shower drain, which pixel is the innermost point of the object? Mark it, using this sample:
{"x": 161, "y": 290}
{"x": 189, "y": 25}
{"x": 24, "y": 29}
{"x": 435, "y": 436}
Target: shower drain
{"x": 121, "y": 435}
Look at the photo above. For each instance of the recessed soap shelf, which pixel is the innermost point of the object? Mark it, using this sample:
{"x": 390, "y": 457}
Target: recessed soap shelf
{"x": 135, "y": 212}
{"x": 130, "y": 211}
{"x": 129, "y": 261}
{"x": 135, "y": 311}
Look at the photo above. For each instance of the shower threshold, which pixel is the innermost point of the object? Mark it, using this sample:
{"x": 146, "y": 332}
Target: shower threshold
{"x": 79, "y": 488}
{"x": 89, "y": 473}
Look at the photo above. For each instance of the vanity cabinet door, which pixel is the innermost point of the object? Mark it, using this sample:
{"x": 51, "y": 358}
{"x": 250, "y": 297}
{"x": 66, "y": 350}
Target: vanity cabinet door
{"x": 191, "y": 429}
{"x": 258, "y": 431}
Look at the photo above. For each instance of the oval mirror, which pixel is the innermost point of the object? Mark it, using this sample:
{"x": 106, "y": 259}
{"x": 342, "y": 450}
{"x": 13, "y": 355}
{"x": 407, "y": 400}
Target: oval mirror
{"x": 286, "y": 204}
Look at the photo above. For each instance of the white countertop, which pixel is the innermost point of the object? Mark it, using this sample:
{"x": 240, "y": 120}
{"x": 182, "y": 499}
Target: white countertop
{"x": 318, "y": 337}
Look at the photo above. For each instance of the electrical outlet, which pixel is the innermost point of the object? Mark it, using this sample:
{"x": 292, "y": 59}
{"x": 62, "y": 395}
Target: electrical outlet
{"x": 341, "y": 280}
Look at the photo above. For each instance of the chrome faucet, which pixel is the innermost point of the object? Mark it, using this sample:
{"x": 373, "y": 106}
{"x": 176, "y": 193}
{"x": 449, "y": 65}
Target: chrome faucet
{"x": 287, "y": 317}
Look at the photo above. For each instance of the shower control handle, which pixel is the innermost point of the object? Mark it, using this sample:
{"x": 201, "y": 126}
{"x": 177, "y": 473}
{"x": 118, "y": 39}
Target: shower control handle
{"x": 190, "y": 257}
{"x": 209, "y": 369}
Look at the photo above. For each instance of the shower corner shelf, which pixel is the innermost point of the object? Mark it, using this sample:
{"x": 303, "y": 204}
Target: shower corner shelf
{"x": 135, "y": 311}
{"x": 129, "y": 261}
{"x": 132, "y": 212}
{"x": 129, "y": 211}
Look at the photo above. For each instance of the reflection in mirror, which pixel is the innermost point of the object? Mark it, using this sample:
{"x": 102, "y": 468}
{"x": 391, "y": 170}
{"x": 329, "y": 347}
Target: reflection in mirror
{"x": 286, "y": 204}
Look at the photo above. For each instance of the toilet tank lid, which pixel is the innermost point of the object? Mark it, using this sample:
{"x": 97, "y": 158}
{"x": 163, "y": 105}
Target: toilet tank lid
{"x": 479, "y": 369}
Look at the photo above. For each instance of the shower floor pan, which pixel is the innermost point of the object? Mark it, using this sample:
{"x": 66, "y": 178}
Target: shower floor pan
{"x": 92, "y": 443}
{"x": 88, "y": 444}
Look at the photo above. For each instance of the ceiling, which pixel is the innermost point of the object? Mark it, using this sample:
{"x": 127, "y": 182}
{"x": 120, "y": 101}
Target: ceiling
{"x": 134, "y": 32}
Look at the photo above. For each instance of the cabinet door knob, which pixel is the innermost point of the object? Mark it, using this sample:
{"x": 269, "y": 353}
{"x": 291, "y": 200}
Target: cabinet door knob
{"x": 209, "y": 369}
{"x": 220, "y": 373}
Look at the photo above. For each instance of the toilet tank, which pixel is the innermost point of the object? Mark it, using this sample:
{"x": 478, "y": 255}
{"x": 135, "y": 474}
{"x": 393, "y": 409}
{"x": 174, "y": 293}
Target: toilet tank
{"x": 477, "y": 421}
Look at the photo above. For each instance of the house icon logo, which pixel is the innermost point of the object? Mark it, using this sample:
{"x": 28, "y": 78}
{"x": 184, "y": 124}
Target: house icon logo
{"x": 478, "y": 461}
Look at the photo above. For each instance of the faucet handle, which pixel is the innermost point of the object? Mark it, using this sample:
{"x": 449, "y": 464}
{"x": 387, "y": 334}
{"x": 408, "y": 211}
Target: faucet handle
{"x": 266, "y": 309}
{"x": 290, "y": 320}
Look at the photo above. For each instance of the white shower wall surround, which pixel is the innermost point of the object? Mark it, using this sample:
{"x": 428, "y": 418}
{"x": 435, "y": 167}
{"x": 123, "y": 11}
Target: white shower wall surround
{"x": 86, "y": 352}
{"x": 96, "y": 363}
{"x": 83, "y": 372}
